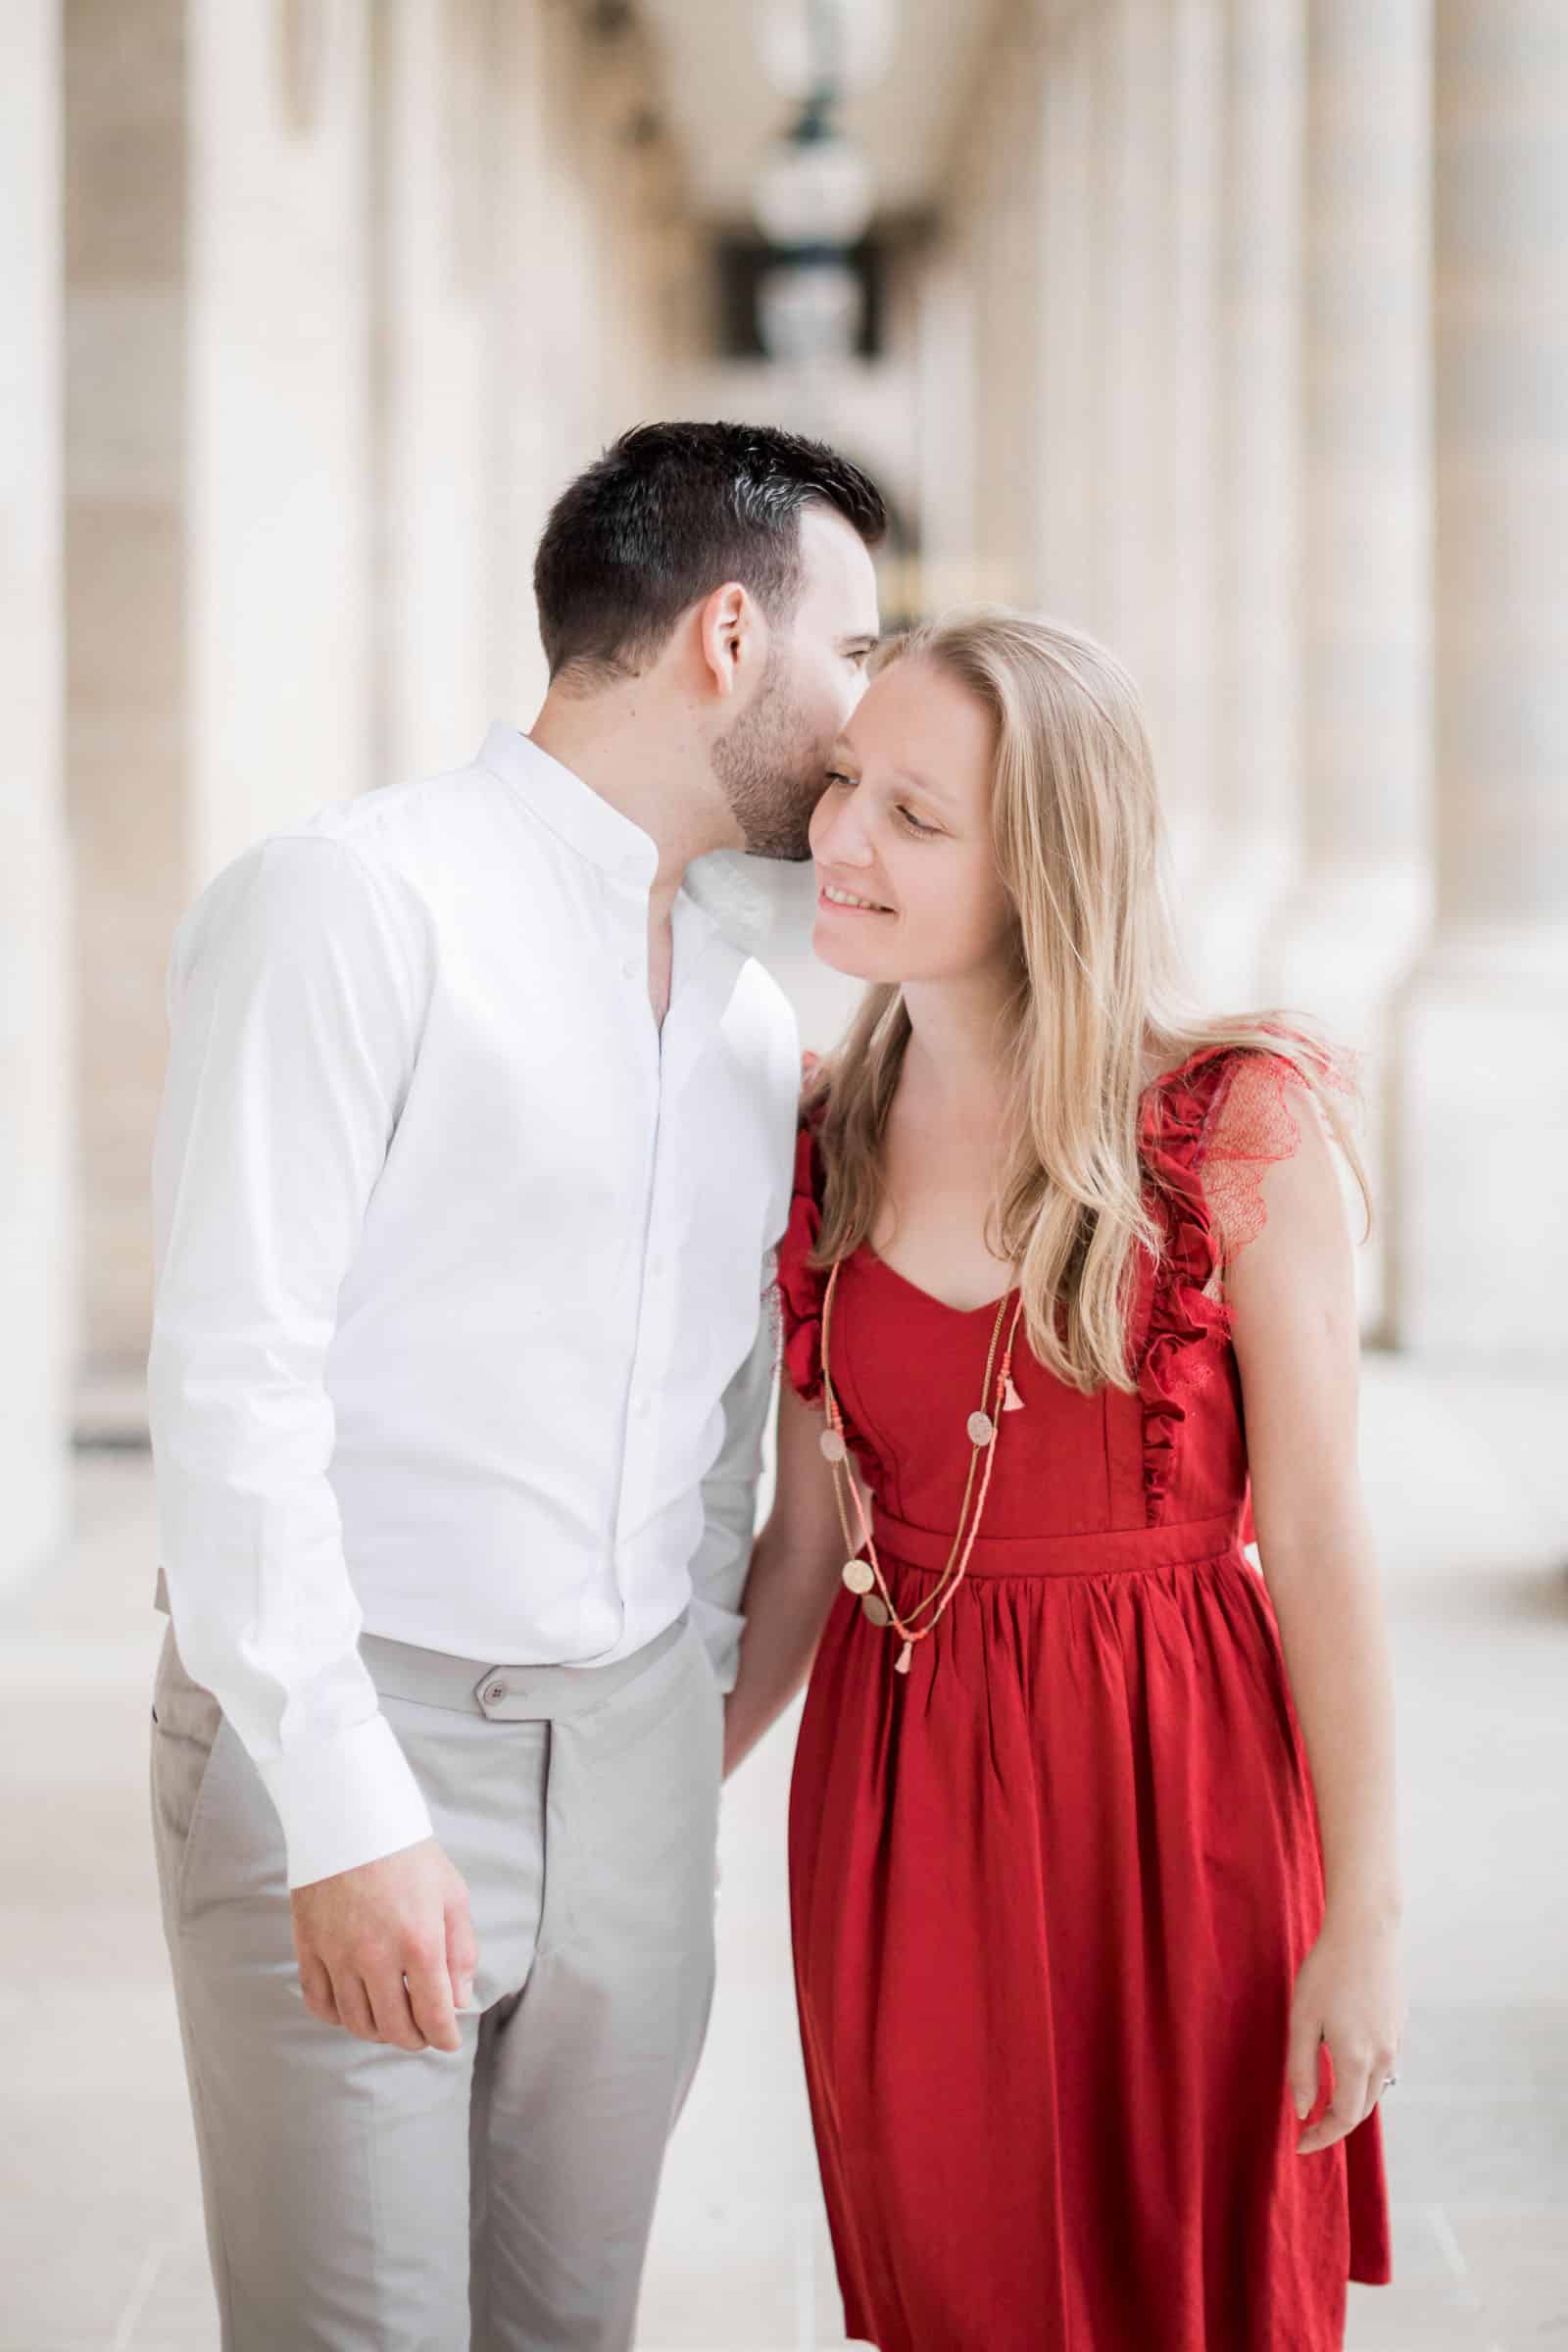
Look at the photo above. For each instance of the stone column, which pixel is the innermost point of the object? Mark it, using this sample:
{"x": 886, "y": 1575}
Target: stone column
{"x": 430, "y": 216}
{"x": 1477, "y": 1225}
{"x": 127, "y": 607}
{"x": 1352, "y": 927}
{"x": 1187, "y": 503}
{"x": 520, "y": 453}
{"x": 1131, "y": 134}
{"x": 1070, "y": 553}
{"x": 37, "y": 1203}
{"x": 279, "y": 458}
{"x": 998, "y": 196}
{"x": 1257, "y": 451}
{"x": 946, "y": 431}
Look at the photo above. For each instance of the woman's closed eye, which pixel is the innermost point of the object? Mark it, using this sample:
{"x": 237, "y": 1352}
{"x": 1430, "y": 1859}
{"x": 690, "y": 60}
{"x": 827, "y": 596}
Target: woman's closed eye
{"x": 910, "y": 820}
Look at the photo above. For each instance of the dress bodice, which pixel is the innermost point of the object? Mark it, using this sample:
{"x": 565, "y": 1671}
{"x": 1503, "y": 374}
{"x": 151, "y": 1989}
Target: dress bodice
{"x": 908, "y": 1369}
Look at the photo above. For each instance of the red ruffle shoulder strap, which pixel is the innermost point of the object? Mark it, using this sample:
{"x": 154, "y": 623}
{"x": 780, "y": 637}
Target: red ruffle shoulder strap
{"x": 1208, "y": 1131}
{"x": 801, "y": 1285}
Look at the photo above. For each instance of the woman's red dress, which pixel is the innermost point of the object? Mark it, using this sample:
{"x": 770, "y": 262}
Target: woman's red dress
{"x": 1051, "y": 1890}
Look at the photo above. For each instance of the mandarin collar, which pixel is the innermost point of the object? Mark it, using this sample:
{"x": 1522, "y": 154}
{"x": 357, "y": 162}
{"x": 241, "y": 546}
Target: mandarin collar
{"x": 574, "y": 813}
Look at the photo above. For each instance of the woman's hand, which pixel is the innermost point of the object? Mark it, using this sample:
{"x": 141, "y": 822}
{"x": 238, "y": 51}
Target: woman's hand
{"x": 1348, "y": 1994}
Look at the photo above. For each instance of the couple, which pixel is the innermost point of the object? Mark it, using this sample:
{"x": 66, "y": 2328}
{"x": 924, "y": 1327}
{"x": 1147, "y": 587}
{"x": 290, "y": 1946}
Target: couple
{"x": 483, "y": 1180}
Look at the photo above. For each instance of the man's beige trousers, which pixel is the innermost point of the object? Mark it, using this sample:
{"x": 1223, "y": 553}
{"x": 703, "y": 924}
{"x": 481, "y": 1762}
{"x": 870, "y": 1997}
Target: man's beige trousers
{"x": 362, "y": 2199}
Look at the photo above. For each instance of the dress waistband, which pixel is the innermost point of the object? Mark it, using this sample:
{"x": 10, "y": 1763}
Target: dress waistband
{"x": 1097, "y": 1552}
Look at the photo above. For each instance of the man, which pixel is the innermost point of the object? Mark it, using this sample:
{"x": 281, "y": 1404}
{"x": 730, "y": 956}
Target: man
{"x": 474, "y": 1147}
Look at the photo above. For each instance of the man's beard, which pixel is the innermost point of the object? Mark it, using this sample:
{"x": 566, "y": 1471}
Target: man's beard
{"x": 772, "y": 773}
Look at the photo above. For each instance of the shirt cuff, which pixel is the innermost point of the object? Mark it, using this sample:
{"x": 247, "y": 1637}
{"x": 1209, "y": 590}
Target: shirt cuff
{"x": 345, "y": 1801}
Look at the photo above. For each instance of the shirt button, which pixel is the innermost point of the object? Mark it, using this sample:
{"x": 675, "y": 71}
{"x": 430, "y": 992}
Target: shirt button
{"x": 642, "y": 1408}
{"x": 630, "y": 967}
{"x": 494, "y": 1694}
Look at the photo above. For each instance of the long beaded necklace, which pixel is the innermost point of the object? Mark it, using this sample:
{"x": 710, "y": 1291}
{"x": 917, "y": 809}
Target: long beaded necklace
{"x": 864, "y": 1577}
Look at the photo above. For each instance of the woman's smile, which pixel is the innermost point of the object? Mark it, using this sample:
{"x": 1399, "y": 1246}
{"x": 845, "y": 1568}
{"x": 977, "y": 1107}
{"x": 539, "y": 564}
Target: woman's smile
{"x": 847, "y": 901}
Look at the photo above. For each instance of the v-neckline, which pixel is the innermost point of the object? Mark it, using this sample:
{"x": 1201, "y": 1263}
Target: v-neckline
{"x": 1147, "y": 1106}
{"x": 987, "y": 1306}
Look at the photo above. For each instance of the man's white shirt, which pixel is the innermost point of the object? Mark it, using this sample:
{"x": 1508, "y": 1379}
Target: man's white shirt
{"x": 460, "y": 1330}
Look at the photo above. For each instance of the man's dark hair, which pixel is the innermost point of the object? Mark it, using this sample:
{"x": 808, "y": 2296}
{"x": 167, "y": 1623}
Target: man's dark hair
{"x": 666, "y": 515}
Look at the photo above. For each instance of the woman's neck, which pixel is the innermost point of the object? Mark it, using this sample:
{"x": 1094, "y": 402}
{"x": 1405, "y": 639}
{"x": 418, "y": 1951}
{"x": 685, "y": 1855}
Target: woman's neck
{"x": 955, "y": 1054}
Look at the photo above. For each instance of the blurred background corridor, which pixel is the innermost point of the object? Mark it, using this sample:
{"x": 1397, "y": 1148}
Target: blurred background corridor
{"x": 1233, "y": 330}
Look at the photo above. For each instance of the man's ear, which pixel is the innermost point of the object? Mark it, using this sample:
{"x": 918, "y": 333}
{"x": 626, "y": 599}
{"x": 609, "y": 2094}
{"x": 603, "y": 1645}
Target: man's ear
{"x": 728, "y": 625}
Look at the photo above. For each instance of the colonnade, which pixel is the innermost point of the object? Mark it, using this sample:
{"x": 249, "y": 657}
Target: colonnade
{"x": 1240, "y": 340}
{"x": 1274, "y": 382}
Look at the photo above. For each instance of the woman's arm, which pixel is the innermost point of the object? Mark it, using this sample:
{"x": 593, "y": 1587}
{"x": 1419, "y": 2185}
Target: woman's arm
{"x": 794, "y": 1578}
{"x": 1292, "y": 1291}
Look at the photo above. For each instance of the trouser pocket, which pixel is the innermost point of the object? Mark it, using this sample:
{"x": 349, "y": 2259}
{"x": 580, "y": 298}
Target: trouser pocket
{"x": 186, "y": 1720}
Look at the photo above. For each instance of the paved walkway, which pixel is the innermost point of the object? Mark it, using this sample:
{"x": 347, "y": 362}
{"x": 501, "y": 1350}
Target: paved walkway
{"x": 100, "y": 2242}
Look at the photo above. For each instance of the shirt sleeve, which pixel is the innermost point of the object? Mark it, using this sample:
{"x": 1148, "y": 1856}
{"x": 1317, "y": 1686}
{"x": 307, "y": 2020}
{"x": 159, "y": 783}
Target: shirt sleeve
{"x": 296, "y": 996}
{"x": 724, "y": 1556}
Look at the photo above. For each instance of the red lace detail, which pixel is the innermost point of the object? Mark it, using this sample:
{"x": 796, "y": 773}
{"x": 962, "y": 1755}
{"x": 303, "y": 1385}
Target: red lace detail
{"x": 1251, "y": 1127}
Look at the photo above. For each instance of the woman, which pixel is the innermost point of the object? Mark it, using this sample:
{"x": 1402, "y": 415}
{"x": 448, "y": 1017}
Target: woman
{"x": 1080, "y": 1939}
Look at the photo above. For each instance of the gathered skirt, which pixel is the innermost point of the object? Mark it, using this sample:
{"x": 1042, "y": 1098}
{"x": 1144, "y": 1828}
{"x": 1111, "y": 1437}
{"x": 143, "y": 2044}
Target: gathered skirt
{"x": 1049, "y": 1893}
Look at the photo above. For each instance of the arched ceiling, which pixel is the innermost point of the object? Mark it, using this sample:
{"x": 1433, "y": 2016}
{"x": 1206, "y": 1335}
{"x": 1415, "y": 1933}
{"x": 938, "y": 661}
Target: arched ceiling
{"x": 723, "y": 111}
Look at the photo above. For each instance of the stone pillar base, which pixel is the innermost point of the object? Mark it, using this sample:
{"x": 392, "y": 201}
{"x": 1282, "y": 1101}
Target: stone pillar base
{"x": 1478, "y": 1255}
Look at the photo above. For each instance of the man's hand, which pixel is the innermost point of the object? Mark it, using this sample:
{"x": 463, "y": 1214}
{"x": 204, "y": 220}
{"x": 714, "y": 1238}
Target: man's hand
{"x": 388, "y": 1949}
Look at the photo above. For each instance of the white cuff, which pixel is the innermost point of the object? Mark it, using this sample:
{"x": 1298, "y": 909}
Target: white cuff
{"x": 346, "y": 1801}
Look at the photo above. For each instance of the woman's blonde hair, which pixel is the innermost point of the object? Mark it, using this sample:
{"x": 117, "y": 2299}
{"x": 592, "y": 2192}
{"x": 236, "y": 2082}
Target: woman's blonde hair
{"x": 1097, "y": 992}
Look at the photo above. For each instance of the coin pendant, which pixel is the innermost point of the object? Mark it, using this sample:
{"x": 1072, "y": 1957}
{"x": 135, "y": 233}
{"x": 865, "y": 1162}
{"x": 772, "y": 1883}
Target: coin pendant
{"x": 833, "y": 1446}
{"x": 875, "y": 1609}
{"x": 859, "y": 1576}
{"x": 982, "y": 1429}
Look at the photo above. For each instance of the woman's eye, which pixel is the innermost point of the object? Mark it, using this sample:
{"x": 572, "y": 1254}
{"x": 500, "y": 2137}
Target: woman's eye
{"x": 834, "y": 777}
{"x": 913, "y": 822}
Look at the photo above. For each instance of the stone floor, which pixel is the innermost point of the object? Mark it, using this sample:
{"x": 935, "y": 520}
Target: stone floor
{"x": 100, "y": 2243}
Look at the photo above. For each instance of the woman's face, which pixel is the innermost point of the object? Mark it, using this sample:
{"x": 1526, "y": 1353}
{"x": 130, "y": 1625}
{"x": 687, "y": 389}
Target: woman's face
{"x": 904, "y": 824}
